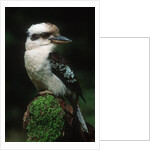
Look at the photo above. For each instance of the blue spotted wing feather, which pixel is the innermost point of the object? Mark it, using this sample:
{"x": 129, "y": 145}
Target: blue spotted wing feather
{"x": 63, "y": 71}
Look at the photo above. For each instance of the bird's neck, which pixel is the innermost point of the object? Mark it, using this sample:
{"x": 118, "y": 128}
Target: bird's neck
{"x": 30, "y": 46}
{"x": 41, "y": 52}
{"x": 49, "y": 48}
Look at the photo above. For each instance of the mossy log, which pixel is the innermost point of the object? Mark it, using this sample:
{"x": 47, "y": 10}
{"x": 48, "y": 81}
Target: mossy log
{"x": 51, "y": 119}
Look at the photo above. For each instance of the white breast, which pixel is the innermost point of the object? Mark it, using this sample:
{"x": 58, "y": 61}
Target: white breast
{"x": 39, "y": 71}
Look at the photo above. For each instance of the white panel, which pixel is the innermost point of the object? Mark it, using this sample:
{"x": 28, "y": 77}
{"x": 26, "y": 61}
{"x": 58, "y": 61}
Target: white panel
{"x": 125, "y": 145}
{"x": 125, "y": 18}
{"x": 48, "y": 145}
{"x": 124, "y": 89}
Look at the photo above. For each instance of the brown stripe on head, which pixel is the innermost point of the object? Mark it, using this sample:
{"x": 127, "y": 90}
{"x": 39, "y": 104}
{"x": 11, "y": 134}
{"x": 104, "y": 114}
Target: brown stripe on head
{"x": 53, "y": 29}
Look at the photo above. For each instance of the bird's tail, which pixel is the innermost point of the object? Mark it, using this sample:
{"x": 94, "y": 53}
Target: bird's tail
{"x": 81, "y": 120}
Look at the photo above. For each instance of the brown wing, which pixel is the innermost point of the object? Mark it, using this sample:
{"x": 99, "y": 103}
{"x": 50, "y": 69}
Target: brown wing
{"x": 63, "y": 71}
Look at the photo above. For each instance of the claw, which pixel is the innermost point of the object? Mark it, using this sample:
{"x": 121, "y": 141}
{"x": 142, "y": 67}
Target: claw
{"x": 45, "y": 92}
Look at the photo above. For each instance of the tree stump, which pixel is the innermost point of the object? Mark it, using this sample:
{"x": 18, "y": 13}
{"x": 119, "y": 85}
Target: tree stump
{"x": 51, "y": 119}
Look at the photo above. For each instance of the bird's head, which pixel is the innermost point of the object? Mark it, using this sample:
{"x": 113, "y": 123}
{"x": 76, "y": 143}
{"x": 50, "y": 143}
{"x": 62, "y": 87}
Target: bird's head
{"x": 44, "y": 34}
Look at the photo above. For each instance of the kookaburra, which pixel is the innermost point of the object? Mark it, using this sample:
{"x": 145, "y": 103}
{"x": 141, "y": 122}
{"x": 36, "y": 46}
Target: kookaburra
{"x": 48, "y": 70}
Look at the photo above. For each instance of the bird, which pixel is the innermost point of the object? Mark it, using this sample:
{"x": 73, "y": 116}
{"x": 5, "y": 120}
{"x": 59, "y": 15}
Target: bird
{"x": 48, "y": 70}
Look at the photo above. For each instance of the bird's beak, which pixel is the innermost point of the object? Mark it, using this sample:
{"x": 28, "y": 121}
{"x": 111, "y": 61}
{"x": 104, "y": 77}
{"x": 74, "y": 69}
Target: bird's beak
{"x": 60, "y": 39}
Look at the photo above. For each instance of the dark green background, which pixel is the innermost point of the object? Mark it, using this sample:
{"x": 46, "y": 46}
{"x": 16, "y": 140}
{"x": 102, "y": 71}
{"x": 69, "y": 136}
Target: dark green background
{"x": 76, "y": 23}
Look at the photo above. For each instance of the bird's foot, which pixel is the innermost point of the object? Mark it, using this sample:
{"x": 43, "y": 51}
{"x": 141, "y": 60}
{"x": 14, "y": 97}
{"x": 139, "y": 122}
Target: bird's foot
{"x": 45, "y": 92}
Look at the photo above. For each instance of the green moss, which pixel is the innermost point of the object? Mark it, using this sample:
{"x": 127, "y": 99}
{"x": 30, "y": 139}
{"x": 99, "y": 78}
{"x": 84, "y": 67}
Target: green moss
{"x": 45, "y": 122}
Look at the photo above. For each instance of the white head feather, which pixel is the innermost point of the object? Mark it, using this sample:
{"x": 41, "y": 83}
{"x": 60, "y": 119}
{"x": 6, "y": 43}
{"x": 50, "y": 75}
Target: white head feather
{"x": 39, "y": 28}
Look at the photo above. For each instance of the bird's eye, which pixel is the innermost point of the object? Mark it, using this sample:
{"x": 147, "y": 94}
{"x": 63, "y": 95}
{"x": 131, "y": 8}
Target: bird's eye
{"x": 34, "y": 37}
{"x": 45, "y": 35}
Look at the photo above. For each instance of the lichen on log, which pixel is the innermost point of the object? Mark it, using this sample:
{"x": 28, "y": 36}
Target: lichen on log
{"x": 45, "y": 121}
{"x": 51, "y": 119}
